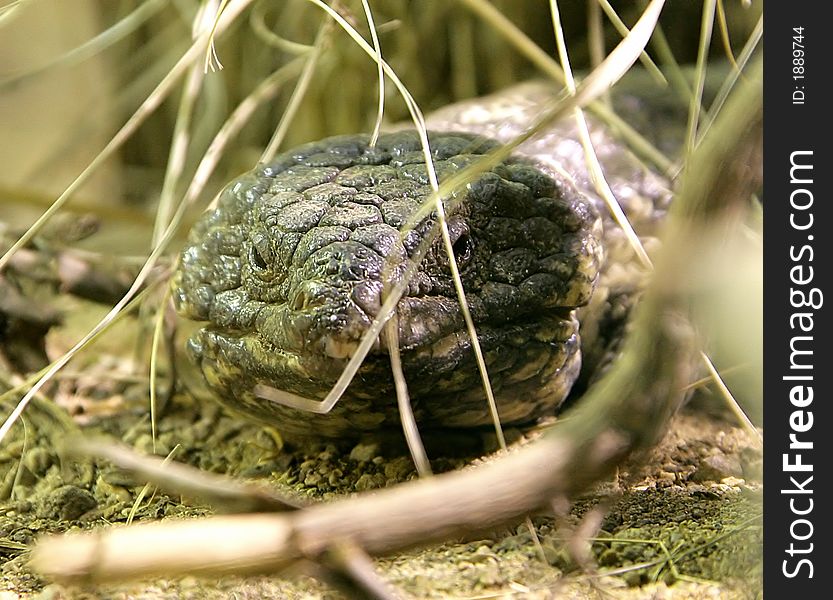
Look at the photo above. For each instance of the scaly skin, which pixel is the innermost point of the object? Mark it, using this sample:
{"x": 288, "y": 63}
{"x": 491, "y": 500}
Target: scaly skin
{"x": 289, "y": 271}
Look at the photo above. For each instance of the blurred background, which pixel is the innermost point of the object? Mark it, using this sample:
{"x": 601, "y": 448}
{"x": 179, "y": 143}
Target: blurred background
{"x": 72, "y": 72}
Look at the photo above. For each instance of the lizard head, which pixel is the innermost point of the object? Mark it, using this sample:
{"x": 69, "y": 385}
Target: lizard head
{"x": 293, "y": 266}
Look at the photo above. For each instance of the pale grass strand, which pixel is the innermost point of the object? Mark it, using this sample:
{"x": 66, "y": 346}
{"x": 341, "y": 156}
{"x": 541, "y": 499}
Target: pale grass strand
{"x": 211, "y": 62}
{"x": 595, "y": 34}
{"x": 9, "y": 11}
{"x": 158, "y": 333}
{"x": 704, "y": 381}
{"x": 436, "y": 202}
{"x": 675, "y": 74}
{"x": 622, "y": 29}
{"x": 380, "y": 113}
{"x": 464, "y": 308}
{"x": 724, "y": 34}
{"x": 18, "y": 475}
{"x": 406, "y": 412}
{"x": 310, "y": 63}
{"x": 266, "y": 90}
{"x": 178, "y": 152}
{"x": 706, "y": 24}
{"x": 591, "y": 159}
{"x": 181, "y": 137}
{"x": 622, "y": 57}
{"x": 720, "y": 99}
{"x": 416, "y": 114}
{"x": 541, "y": 59}
{"x": 257, "y": 20}
{"x": 730, "y": 399}
{"x": 146, "y": 488}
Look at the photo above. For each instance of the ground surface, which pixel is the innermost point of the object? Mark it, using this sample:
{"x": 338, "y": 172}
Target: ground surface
{"x": 690, "y": 512}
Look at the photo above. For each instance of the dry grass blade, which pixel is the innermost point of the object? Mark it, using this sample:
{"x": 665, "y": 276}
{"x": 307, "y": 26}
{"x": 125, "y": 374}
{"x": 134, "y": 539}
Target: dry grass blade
{"x": 542, "y": 60}
{"x": 497, "y": 20}
{"x": 310, "y": 63}
{"x": 733, "y": 405}
{"x": 706, "y": 24}
{"x": 593, "y": 165}
{"x": 406, "y": 413}
{"x": 178, "y": 152}
{"x": 156, "y": 343}
{"x": 211, "y": 62}
{"x": 622, "y": 57}
{"x": 144, "y": 491}
{"x": 470, "y": 327}
{"x": 669, "y": 62}
{"x": 380, "y": 113}
{"x": 55, "y": 414}
{"x": 7, "y": 10}
{"x": 257, "y": 19}
{"x": 10, "y": 493}
{"x": 705, "y": 381}
{"x": 646, "y": 60}
{"x": 724, "y": 34}
{"x": 744, "y": 57}
{"x": 266, "y": 90}
{"x": 595, "y": 34}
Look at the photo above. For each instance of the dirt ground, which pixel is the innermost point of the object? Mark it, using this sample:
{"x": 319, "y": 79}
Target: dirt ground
{"x": 684, "y": 522}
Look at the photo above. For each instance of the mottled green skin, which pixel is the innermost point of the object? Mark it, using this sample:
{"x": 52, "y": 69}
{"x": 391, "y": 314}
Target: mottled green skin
{"x": 289, "y": 268}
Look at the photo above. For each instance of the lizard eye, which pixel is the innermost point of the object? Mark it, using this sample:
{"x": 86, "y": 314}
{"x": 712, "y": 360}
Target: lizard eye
{"x": 461, "y": 242}
{"x": 462, "y": 250}
{"x": 260, "y": 252}
{"x": 256, "y": 258}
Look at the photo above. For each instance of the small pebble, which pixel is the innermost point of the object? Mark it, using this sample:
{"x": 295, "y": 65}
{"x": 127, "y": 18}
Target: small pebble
{"x": 364, "y": 452}
{"x": 69, "y": 502}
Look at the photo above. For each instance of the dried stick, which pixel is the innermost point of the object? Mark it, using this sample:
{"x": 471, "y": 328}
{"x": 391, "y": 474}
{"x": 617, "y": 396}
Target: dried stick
{"x": 221, "y": 492}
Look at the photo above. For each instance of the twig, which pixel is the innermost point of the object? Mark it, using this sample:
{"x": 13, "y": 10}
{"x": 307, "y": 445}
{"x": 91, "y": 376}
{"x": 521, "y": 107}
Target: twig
{"x": 221, "y": 492}
{"x": 356, "y": 572}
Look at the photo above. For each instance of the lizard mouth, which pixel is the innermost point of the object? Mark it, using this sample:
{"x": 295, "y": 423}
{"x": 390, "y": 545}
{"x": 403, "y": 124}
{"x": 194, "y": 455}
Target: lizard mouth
{"x": 543, "y": 357}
